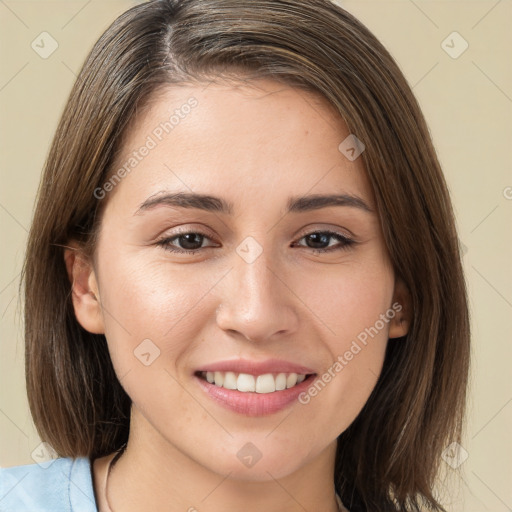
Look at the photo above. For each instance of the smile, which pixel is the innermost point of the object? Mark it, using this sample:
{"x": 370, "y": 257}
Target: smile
{"x": 257, "y": 394}
{"x": 246, "y": 383}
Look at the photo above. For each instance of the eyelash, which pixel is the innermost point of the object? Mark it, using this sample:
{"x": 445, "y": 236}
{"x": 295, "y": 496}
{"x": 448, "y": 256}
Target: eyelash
{"x": 346, "y": 243}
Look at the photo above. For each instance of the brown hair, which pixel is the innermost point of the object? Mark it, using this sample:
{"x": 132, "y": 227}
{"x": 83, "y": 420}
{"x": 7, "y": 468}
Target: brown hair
{"x": 389, "y": 457}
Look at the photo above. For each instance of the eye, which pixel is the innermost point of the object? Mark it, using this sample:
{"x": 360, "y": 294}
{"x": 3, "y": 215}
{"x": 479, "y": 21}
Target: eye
{"x": 320, "y": 238}
{"x": 190, "y": 241}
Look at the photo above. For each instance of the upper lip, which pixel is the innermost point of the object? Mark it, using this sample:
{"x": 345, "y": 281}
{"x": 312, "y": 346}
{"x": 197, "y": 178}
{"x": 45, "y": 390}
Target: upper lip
{"x": 256, "y": 367}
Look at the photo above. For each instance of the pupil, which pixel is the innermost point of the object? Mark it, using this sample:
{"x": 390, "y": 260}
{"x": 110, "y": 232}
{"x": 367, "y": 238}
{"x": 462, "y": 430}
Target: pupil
{"x": 319, "y": 238}
{"x": 189, "y": 239}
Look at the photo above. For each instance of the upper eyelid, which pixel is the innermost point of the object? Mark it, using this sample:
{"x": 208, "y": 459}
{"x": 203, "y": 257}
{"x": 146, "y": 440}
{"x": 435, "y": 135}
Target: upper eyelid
{"x": 305, "y": 231}
{"x": 331, "y": 232}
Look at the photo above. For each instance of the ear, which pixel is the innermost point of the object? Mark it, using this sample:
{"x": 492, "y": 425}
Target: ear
{"x": 401, "y": 305}
{"x": 84, "y": 290}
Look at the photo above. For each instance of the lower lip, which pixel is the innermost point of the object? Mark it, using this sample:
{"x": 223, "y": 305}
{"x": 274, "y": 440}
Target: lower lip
{"x": 252, "y": 403}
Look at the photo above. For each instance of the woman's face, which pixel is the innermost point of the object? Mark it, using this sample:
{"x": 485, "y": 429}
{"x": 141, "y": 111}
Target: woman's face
{"x": 245, "y": 280}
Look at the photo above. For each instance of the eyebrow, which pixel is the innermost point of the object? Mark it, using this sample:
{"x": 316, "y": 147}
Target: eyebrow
{"x": 210, "y": 203}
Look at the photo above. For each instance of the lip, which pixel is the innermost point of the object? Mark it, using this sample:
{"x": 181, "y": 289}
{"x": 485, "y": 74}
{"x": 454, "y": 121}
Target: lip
{"x": 252, "y": 403}
{"x": 256, "y": 367}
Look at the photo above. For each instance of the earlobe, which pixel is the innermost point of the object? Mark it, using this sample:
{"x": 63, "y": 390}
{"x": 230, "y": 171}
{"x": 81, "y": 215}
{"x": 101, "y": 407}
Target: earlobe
{"x": 401, "y": 305}
{"x": 84, "y": 290}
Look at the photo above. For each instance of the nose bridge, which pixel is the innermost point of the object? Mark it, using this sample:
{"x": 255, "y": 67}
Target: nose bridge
{"x": 255, "y": 277}
{"x": 254, "y": 300}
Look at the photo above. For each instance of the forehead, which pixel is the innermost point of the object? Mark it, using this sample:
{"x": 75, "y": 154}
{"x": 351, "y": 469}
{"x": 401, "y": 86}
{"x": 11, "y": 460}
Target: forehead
{"x": 260, "y": 140}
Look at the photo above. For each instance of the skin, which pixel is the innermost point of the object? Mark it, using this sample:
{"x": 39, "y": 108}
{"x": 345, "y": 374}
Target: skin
{"x": 253, "y": 146}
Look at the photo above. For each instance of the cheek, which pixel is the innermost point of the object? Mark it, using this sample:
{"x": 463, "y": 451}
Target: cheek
{"x": 152, "y": 315}
{"x": 347, "y": 299}
{"x": 151, "y": 301}
{"x": 352, "y": 310}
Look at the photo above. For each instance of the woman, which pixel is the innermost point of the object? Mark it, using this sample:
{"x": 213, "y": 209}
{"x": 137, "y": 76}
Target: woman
{"x": 243, "y": 283}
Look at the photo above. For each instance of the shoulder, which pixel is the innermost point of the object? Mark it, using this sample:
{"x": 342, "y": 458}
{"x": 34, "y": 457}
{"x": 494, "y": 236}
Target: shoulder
{"x": 60, "y": 485}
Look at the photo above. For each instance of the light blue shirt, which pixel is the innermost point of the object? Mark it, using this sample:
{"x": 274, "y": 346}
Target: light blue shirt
{"x": 61, "y": 485}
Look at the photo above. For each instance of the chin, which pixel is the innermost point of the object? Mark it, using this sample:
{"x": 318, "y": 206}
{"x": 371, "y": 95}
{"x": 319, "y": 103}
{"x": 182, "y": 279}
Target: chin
{"x": 256, "y": 462}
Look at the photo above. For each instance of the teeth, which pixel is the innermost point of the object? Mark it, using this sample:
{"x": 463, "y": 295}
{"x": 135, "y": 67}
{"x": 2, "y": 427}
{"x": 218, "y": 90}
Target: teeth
{"x": 229, "y": 380}
{"x": 218, "y": 378}
{"x": 266, "y": 383}
{"x": 291, "y": 380}
{"x": 245, "y": 382}
{"x": 280, "y": 381}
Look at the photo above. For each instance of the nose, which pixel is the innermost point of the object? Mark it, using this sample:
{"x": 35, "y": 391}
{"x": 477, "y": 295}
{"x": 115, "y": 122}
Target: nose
{"x": 257, "y": 302}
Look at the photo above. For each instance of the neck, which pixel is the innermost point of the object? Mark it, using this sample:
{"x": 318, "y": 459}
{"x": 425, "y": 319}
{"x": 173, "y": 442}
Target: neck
{"x": 151, "y": 474}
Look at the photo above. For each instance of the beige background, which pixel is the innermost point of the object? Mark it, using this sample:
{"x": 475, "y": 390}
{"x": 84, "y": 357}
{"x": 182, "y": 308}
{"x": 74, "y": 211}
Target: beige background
{"x": 468, "y": 105}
